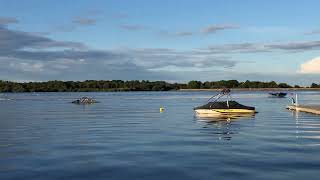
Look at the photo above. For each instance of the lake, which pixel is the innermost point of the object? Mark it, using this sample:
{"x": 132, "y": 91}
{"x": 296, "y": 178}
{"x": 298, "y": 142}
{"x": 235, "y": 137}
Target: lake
{"x": 44, "y": 136}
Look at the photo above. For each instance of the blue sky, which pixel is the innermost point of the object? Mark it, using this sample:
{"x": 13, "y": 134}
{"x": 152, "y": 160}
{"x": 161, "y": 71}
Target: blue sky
{"x": 175, "y": 41}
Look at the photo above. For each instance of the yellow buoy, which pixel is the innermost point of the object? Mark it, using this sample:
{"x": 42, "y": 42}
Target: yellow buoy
{"x": 161, "y": 109}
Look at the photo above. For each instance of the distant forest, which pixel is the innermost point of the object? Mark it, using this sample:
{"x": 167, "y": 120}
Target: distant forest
{"x": 119, "y": 85}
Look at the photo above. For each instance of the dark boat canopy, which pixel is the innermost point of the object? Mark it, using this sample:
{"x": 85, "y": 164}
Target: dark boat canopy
{"x": 224, "y": 105}
{"x": 280, "y": 94}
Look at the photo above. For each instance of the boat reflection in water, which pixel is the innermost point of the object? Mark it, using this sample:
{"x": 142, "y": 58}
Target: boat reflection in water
{"x": 224, "y": 126}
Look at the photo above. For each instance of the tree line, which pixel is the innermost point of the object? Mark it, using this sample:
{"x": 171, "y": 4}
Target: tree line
{"x": 89, "y": 85}
{"x": 314, "y": 85}
{"x": 135, "y": 85}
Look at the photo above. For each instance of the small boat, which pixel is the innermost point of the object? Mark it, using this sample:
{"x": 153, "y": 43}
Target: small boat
{"x": 84, "y": 100}
{"x": 278, "y": 94}
{"x": 217, "y": 108}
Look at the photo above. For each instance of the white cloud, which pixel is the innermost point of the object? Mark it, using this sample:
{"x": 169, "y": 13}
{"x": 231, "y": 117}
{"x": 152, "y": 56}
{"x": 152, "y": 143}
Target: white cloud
{"x": 27, "y": 67}
{"x": 217, "y": 27}
{"x": 311, "y": 67}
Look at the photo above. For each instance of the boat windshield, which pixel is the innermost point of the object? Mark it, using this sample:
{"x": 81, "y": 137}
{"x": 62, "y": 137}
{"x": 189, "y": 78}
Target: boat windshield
{"x": 223, "y": 92}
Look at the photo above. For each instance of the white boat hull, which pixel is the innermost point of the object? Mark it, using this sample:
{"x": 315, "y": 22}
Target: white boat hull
{"x": 221, "y": 112}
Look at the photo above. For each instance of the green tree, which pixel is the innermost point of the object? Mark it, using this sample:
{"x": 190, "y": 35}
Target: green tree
{"x": 284, "y": 85}
{"x": 194, "y": 85}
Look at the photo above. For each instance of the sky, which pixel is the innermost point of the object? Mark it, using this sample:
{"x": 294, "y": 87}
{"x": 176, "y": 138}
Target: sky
{"x": 171, "y": 40}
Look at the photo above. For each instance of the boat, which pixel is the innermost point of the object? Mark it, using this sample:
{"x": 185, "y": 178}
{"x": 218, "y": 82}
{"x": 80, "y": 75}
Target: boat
{"x": 215, "y": 108}
{"x": 278, "y": 94}
{"x": 84, "y": 100}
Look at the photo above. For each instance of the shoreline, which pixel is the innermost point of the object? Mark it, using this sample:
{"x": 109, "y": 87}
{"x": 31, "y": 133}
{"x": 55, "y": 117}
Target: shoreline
{"x": 255, "y": 89}
{"x": 145, "y": 85}
{"x": 186, "y": 90}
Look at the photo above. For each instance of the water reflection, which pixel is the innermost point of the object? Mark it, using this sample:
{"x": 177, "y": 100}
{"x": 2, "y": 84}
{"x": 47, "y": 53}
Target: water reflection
{"x": 307, "y": 128}
{"x": 295, "y": 115}
{"x": 225, "y": 125}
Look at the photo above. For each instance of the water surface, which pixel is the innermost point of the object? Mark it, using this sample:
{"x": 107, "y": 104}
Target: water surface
{"x": 43, "y": 136}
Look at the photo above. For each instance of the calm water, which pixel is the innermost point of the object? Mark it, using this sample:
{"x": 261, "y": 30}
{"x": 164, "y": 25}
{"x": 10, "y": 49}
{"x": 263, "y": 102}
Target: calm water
{"x": 42, "y": 136}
